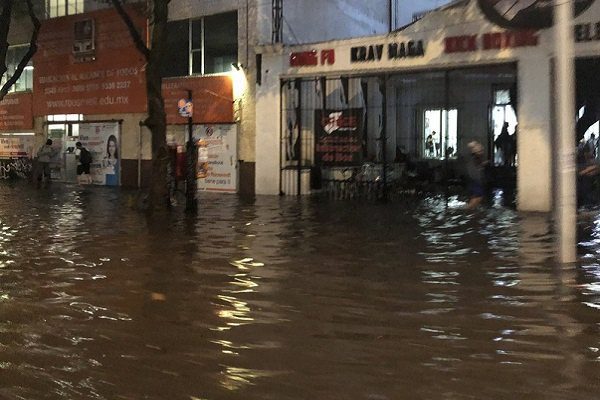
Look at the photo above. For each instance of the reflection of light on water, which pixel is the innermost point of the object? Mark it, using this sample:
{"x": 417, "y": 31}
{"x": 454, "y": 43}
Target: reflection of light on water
{"x": 238, "y": 378}
{"x": 238, "y": 316}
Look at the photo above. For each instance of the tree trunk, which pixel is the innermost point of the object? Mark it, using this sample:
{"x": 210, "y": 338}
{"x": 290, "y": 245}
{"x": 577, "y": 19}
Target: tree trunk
{"x": 157, "y": 120}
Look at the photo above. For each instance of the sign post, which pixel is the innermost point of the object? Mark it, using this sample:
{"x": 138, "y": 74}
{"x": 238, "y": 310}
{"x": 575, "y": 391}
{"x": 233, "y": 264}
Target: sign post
{"x": 186, "y": 109}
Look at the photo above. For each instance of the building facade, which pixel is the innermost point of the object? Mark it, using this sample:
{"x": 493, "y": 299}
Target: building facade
{"x": 424, "y": 91}
{"x": 87, "y": 74}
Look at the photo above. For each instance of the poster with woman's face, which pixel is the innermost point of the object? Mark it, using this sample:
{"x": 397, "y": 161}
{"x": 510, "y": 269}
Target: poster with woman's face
{"x": 525, "y": 14}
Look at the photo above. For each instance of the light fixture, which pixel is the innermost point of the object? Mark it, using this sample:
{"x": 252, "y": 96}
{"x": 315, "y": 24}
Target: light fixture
{"x": 237, "y": 66}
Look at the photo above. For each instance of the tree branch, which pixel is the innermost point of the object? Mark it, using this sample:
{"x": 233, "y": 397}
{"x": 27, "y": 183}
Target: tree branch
{"x": 30, "y": 52}
{"x": 5, "y": 19}
{"x": 133, "y": 32}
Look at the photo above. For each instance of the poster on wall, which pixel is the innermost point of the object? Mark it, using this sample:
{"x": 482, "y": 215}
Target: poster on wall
{"x": 102, "y": 140}
{"x": 526, "y": 14}
{"x": 16, "y": 146}
{"x": 217, "y": 157}
{"x": 338, "y": 137}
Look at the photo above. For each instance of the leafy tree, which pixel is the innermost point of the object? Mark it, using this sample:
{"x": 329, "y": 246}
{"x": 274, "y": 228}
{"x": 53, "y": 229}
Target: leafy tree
{"x": 9, "y": 10}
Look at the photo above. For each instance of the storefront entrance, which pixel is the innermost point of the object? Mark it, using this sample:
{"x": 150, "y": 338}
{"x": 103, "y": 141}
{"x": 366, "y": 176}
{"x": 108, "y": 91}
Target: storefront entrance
{"x": 374, "y": 136}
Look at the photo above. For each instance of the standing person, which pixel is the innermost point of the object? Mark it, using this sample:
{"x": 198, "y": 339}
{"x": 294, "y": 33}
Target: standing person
{"x": 504, "y": 143}
{"x": 591, "y": 145}
{"x": 44, "y": 157}
{"x": 476, "y": 174}
{"x": 430, "y": 146}
{"x": 84, "y": 159}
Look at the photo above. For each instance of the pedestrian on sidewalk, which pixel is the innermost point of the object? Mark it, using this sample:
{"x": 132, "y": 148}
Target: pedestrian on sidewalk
{"x": 45, "y": 155}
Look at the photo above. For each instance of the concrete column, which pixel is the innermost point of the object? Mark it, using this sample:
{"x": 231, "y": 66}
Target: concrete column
{"x": 268, "y": 117}
{"x": 534, "y": 173}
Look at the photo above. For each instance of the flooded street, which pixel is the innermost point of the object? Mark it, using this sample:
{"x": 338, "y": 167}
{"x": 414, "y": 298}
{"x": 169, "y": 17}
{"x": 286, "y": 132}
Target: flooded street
{"x": 284, "y": 299}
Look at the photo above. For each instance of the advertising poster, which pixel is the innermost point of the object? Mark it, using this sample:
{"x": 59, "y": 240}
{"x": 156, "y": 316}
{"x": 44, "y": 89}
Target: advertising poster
{"x": 16, "y": 146}
{"x": 217, "y": 157}
{"x": 102, "y": 141}
{"x": 338, "y": 141}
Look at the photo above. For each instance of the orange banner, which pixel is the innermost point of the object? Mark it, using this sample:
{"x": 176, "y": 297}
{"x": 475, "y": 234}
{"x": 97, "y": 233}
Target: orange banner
{"x": 78, "y": 75}
{"x": 16, "y": 113}
{"x": 212, "y": 98}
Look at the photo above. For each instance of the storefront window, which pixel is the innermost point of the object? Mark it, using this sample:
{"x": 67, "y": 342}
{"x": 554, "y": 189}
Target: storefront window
{"x": 439, "y": 137}
{"x": 13, "y": 57}
{"x": 202, "y": 46}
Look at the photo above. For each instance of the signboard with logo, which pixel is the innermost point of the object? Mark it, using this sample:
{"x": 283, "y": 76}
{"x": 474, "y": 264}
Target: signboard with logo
{"x": 102, "y": 141}
{"x": 185, "y": 107}
{"x": 217, "y": 157}
{"x": 338, "y": 141}
{"x": 213, "y": 99}
{"x": 526, "y": 14}
{"x": 112, "y": 81}
{"x": 16, "y": 113}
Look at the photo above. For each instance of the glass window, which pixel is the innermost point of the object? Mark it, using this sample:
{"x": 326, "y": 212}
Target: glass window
{"x": 13, "y": 57}
{"x": 177, "y": 50}
{"x": 439, "y": 137}
{"x": 220, "y": 42}
{"x": 202, "y": 46}
{"x": 59, "y": 8}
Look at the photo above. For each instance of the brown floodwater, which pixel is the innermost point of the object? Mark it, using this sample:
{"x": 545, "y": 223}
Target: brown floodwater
{"x": 279, "y": 298}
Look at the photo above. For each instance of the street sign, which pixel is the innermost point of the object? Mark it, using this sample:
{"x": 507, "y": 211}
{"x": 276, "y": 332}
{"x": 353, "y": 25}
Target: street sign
{"x": 526, "y": 14}
{"x": 185, "y": 107}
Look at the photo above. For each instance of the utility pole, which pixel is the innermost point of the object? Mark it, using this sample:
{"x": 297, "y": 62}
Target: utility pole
{"x": 277, "y": 21}
{"x": 565, "y": 116}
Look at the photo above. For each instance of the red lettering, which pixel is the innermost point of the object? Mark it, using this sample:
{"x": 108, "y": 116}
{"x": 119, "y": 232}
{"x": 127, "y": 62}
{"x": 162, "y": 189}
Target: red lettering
{"x": 327, "y": 57}
{"x": 304, "y": 58}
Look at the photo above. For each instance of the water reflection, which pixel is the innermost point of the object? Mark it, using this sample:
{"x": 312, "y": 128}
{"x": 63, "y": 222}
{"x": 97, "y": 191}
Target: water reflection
{"x": 285, "y": 299}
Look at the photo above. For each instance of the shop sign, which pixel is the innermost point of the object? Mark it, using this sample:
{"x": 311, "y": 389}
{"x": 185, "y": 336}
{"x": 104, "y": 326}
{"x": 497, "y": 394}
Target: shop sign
{"x": 408, "y": 49}
{"x": 185, "y": 108}
{"x": 587, "y": 32}
{"x": 111, "y": 81}
{"x": 213, "y": 99}
{"x": 491, "y": 41}
{"x": 312, "y": 59}
{"x": 338, "y": 137}
{"x": 525, "y": 14}
{"x": 16, "y": 113}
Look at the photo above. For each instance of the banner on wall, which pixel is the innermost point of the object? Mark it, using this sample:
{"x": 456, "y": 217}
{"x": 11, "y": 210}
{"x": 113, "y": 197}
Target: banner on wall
{"x": 16, "y": 113}
{"x": 16, "y": 146}
{"x": 338, "y": 137}
{"x": 89, "y": 64}
{"x": 102, "y": 139}
{"x": 217, "y": 157}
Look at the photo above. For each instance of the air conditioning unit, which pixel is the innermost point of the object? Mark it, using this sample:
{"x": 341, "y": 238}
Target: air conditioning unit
{"x": 83, "y": 37}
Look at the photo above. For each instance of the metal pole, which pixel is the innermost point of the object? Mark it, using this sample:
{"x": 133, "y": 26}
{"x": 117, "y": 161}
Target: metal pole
{"x": 565, "y": 95}
{"x": 300, "y": 152}
{"x": 384, "y": 134}
{"x": 191, "y": 205}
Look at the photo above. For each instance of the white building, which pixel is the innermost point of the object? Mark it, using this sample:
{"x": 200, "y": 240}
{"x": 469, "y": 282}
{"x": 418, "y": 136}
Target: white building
{"x": 453, "y": 75}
